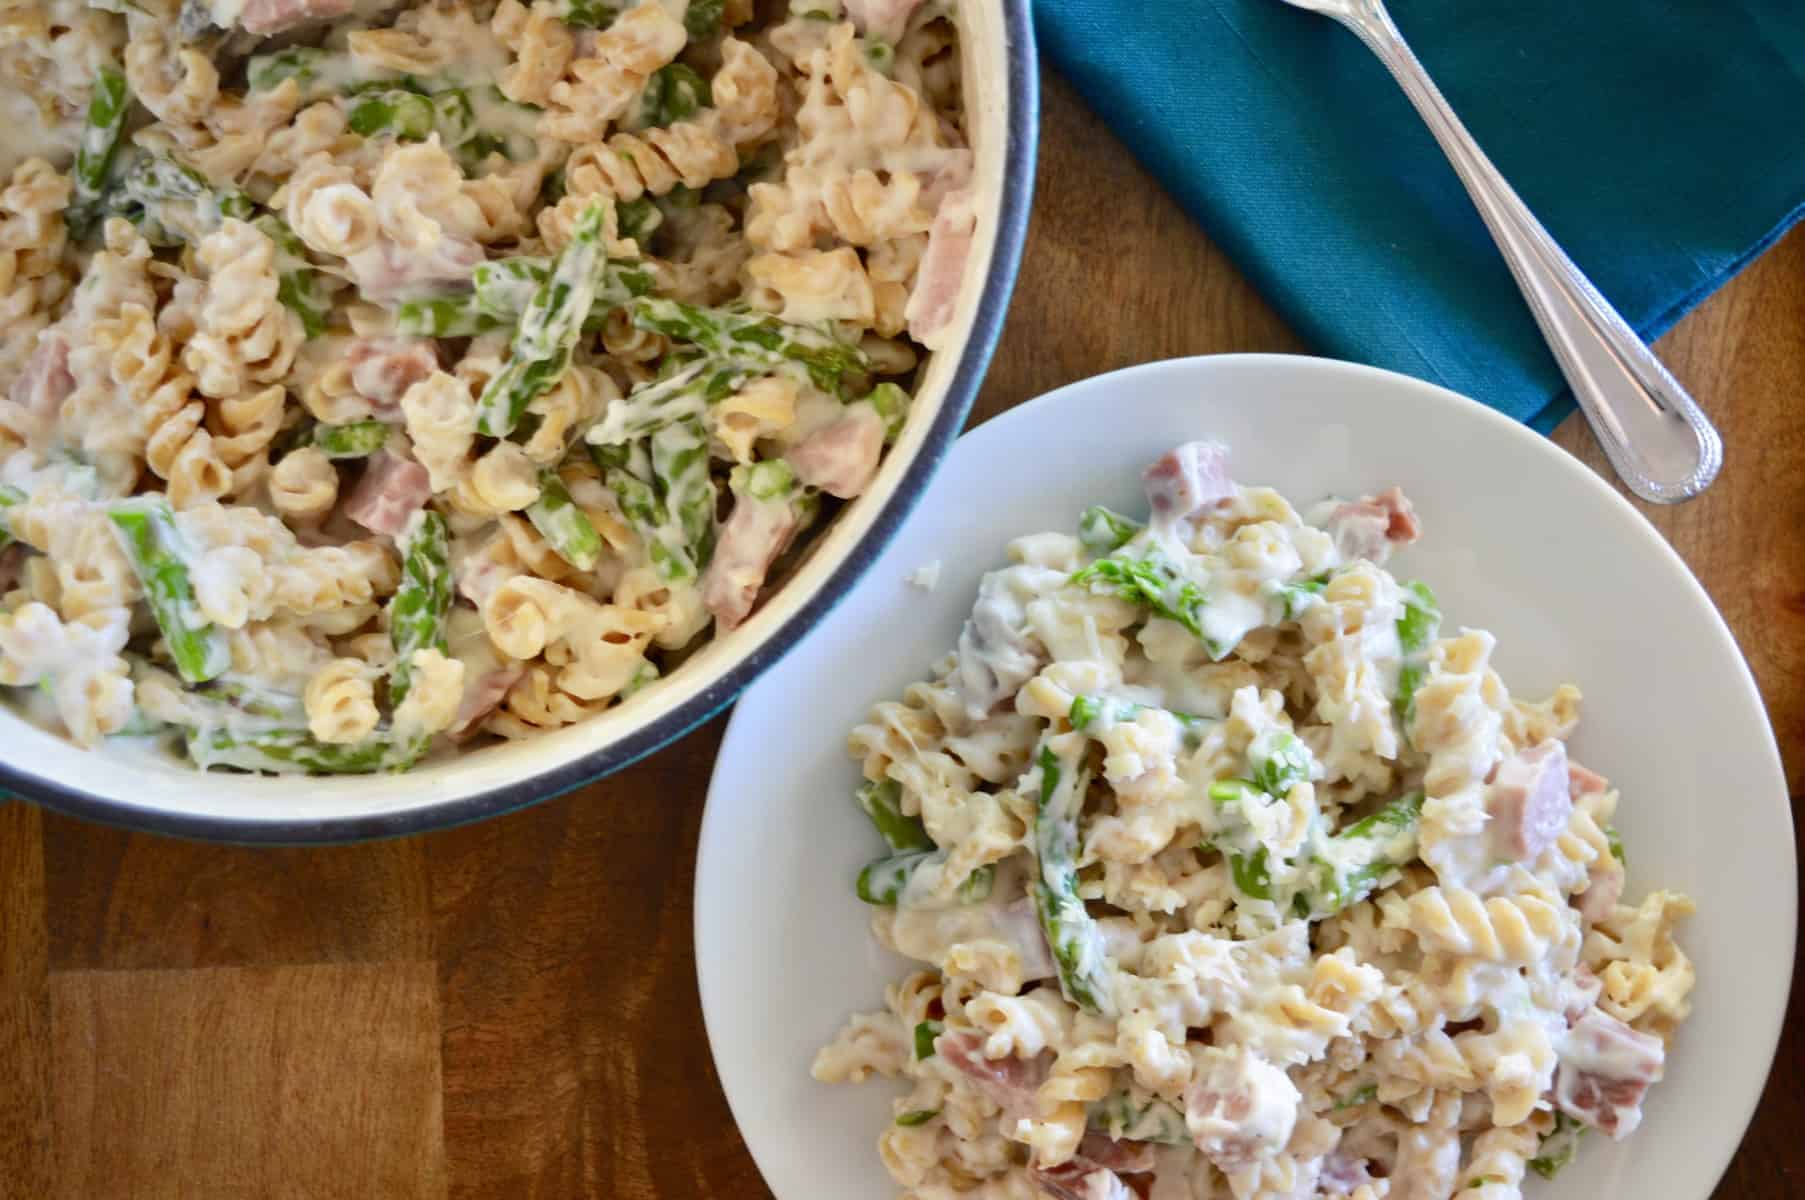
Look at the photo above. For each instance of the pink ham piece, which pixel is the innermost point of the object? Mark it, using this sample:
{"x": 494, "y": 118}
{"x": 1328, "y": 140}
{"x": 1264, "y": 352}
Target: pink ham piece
{"x": 386, "y": 271}
{"x": 1582, "y": 781}
{"x": 392, "y": 490}
{"x": 1372, "y": 527}
{"x": 46, "y": 381}
{"x": 264, "y": 17}
{"x": 477, "y": 577}
{"x": 1343, "y": 1173}
{"x": 1605, "y": 1070}
{"x": 1187, "y": 479}
{"x": 886, "y": 19}
{"x": 483, "y": 697}
{"x": 756, "y": 532}
{"x": 942, "y": 270}
{"x": 1239, "y": 1107}
{"x": 1009, "y": 1083}
{"x": 383, "y": 368}
{"x": 841, "y": 457}
{"x": 1582, "y": 993}
{"x": 1528, "y": 800}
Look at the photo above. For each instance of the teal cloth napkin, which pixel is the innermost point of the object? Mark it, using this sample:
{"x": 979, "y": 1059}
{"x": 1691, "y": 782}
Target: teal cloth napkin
{"x": 1661, "y": 143}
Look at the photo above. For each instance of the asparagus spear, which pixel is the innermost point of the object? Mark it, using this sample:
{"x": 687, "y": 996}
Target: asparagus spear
{"x": 290, "y": 751}
{"x": 1156, "y": 581}
{"x": 917, "y": 1116}
{"x": 757, "y": 340}
{"x": 300, "y": 288}
{"x": 591, "y": 14}
{"x": 1421, "y": 620}
{"x": 925, "y": 1033}
{"x": 882, "y": 802}
{"x": 417, "y": 610}
{"x": 702, "y": 17}
{"x": 1105, "y": 530}
{"x": 1360, "y": 856}
{"x": 354, "y": 439}
{"x": 1280, "y": 762}
{"x": 672, "y": 93}
{"x": 680, "y": 471}
{"x": 1084, "y": 969}
{"x": 892, "y": 404}
{"x": 318, "y": 73}
{"x": 159, "y": 556}
{"x": 884, "y": 881}
{"x": 638, "y": 219}
{"x": 9, "y": 497}
{"x": 547, "y": 332}
{"x": 1558, "y": 1146}
{"x": 1138, "y": 1117}
{"x": 566, "y": 528}
{"x": 99, "y": 140}
{"x": 1294, "y": 598}
{"x": 408, "y": 116}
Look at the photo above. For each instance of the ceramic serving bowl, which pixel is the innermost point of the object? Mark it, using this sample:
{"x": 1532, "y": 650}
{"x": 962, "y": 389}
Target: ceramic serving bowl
{"x": 167, "y": 796}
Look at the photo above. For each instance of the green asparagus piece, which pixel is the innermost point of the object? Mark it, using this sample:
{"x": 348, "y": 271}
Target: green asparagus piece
{"x": 1615, "y": 842}
{"x": 300, "y": 288}
{"x": 1133, "y": 1115}
{"x": 9, "y": 496}
{"x": 702, "y": 17}
{"x": 1403, "y": 705}
{"x": 680, "y": 471}
{"x": 107, "y": 107}
{"x": 892, "y": 404}
{"x": 159, "y": 556}
{"x": 1105, "y": 530}
{"x": 1421, "y": 620}
{"x": 1084, "y": 969}
{"x": 638, "y": 219}
{"x": 1091, "y": 711}
{"x": 1280, "y": 762}
{"x": 644, "y": 675}
{"x": 1296, "y": 597}
{"x": 1558, "y": 1146}
{"x": 881, "y": 55}
{"x": 446, "y": 316}
{"x": 1364, "y": 853}
{"x": 1252, "y": 874}
{"x": 756, "y": 340}
{"x": 292, "y": 751}
{"x": 592, "y": 14}
{"x": 502, "y": 289}
{"x": 548, "y": 330}
{"x": 673, "y": 93}
{"x": 925, "y": 1033}
{"x": 318, "y": 73}
{"x": 354, "y": 439}
{"x": 172, "y": 204}
{"x": 1360, "y": 1095}
{"x": 566, "y": 528}
{"x": 405, "y": 115}
{"x": 917, "y": 1116}
{"x": 1154, "y": 580}
{"x": 417, "y": 610}
{"x": 882, "y": 802}
{"x": 884, "y": 881}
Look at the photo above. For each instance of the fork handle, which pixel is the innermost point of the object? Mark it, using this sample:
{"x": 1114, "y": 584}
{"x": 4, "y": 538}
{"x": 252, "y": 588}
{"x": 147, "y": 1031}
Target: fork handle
{"x": 1661, "y": 444}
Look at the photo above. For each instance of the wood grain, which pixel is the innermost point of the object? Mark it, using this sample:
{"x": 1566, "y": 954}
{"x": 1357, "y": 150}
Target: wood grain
{"x": 510, "y": 1009}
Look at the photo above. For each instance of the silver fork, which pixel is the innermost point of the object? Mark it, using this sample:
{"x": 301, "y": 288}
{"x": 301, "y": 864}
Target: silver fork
{"x": 1662, "y": 446}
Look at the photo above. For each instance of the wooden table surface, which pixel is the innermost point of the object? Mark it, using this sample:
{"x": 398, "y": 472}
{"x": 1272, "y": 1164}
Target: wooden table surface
{"x": 510, "y": 1009}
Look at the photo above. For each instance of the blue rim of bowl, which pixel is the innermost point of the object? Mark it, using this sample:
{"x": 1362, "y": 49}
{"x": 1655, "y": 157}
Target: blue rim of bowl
{"x": 993, "y": 305}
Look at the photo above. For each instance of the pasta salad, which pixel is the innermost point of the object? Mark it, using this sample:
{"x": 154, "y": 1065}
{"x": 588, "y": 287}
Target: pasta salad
{"x": 1233, "y": 874}
{"x": 382, "y": 375}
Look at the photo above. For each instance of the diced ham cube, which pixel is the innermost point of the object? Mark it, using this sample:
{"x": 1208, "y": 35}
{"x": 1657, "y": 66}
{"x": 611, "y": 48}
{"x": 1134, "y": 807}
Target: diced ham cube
{"x": 1343, "y": 1173}
{"x": 942, "y": 270}
{"x": 1582, "y": 781}
{"x": 1372, "y": 527}
{"x": 46, "y": 381}
{"x": 385, "y": 271}
{"x": 1187, "y": 479}
{"x": 1582, "y": 991}
{"x": 1009, "y": 1083}
{"x": 383, "y": 368}
{"x": 392, "y": 490}
{"x": 886, "y": 19}
{"x": 482, "y": 697}
{"x": 1528, "y": 800}
{"x": 756, "y": 532}
{"x": 841, "y": 457}
{"x": 264, "y": 17}
{"x": 1239, "y": 1107}
{"x": 1605, "y": 1070}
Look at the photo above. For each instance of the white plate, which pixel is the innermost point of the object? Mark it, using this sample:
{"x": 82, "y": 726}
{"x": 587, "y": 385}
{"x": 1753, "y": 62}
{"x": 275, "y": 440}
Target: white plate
{"x": 1519, "y": 539}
